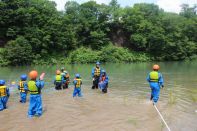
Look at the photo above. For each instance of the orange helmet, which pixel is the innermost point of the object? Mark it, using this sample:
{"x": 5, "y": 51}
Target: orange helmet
{"x": 155, "y": 67}
{"x": 58, "y": 72}
{"x": 33, "y": 74}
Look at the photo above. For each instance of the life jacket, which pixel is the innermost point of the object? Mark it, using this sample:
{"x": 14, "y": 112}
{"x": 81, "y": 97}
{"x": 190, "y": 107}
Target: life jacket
{"x": 58, "y": 78}
{"x": 3, "y": 91}
{"x": 21, "y": 86}
{"x": 33, "y": 89}
{"x": 65, "y": 76}
{"x": 154, "y": 76}
{"x": 78, "y": 84}
{"x": 62, "y": 74}
{"x": 97, "y": 71}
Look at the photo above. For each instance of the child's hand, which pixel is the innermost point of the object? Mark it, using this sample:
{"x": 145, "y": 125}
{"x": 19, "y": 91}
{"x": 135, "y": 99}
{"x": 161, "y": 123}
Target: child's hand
{"x": 42, "y": 76}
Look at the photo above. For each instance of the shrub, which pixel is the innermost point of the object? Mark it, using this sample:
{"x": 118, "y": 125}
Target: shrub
{"x": 19, "y": 52}
{"x": 84, "y": 55}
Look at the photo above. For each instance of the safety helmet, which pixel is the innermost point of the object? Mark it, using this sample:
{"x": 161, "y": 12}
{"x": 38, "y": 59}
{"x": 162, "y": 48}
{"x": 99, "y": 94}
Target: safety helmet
{"x": 77, "y": 75}
{"x": 33, "y": 74}
{"x": 23, "y": 77}
{"x": 98, "y": 63}
{"x": 58, "y": 72}
{"x": 2, "y": 82}
{"x": 155, "y": 67}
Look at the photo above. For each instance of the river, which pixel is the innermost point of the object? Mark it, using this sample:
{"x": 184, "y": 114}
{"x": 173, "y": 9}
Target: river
{"x": 126, "y": 106}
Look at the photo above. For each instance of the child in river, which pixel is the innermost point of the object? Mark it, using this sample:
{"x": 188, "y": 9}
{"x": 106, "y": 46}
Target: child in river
{"x": 22, "y": 87}
{"x": 4, "y": 95}
{"x": 77, "y": 83}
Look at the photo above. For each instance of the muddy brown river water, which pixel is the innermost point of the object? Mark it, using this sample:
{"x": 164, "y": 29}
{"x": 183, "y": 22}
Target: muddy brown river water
{"x": 126, "y": 107}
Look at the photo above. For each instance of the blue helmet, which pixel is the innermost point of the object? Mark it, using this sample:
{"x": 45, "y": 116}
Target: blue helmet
{"x": 23, "y": 77}
{"x": 77, "y": 75}
{"x": 98, "y": 63}
{"x": 2, "y": 82}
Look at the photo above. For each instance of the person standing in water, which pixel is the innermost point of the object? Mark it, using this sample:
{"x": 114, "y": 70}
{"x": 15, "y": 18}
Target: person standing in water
{"x": 22, "y": 87}
{"x": 103, "y": 81}
{"x": 35, "y": 99}
{"x": 77, "y": 83}
{"x": 156, "y": 81}
{"x": 96, "y": 73}
{"x": 65, "y": 78}
{"x": 58, "y": 80}
{"x": 4, "y": 95}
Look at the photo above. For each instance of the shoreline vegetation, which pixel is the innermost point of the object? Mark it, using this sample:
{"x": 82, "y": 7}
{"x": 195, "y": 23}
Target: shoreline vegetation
{"x": 33, "y": 32}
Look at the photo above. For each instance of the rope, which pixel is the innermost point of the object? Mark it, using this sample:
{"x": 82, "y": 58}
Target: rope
{"x": 162, "y": 118}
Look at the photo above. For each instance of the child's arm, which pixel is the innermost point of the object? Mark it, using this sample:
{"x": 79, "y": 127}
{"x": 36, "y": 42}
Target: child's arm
{"x": 148, "y": 78}
{"x": 25, "y": 86}
{"x": 8, "y": 92}
{"x": 161, "y": 81}
{"x": 18, "y": 87}
{"x": 74, "y": 82}
{"x": 93, "y": 72}
{"x": 106, "y": 80}
{"x": 40, "y": 84}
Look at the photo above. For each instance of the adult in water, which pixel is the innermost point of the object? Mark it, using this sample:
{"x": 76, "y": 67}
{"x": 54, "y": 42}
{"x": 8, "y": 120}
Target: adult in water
{"x": 96, "y": 73}
{"x": 156, "y": 81}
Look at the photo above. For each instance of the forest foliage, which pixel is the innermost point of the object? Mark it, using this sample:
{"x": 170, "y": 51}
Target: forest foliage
{"x": 34, "y": 32}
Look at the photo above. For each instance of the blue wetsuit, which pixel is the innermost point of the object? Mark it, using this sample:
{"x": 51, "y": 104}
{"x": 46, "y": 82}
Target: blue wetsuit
{"x": 35, "y": 99}
{"x": 155, "y": 85}
{"x": 4, "y": 99}
{"x": 23, "y": 91}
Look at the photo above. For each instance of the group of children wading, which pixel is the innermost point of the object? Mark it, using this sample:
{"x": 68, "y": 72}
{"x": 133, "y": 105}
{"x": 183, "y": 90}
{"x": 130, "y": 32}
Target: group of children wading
{"x": 62, "y": 79}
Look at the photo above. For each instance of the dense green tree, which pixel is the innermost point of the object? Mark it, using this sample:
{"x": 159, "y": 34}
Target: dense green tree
{"x": 47, "y": 34}
{"x": 19, "y": 51}
{"x": 187, "y": 11}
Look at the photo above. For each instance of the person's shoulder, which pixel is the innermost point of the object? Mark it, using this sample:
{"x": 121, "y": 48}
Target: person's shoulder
{"x": 149, "y": 72}
{"x": 160, "y": 74}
